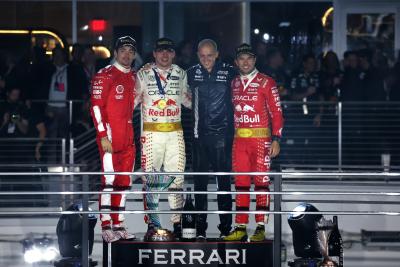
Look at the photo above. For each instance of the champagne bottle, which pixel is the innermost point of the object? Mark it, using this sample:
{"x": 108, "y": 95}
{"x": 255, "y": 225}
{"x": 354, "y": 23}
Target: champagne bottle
{"x": 188, "y": 220}
{"x": 335, "y": 242}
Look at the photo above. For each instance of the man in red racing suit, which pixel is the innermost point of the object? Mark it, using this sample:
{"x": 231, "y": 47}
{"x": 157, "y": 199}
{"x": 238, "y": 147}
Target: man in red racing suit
{"x": 112, "y": 99}
{"x": 257, "y": 109}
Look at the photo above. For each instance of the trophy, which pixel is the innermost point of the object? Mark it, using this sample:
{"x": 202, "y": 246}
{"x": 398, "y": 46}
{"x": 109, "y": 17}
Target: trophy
{"x": 325, "y": 227}
{"x": 157, "y": 183}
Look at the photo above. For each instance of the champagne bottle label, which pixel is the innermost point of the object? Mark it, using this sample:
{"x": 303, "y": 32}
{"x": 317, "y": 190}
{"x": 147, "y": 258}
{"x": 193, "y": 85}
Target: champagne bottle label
{"x": 188, "y": 233}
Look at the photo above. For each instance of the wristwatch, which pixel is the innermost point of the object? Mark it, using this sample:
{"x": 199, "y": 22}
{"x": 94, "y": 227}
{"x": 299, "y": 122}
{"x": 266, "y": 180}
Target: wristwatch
{"x": 276, "y": 138}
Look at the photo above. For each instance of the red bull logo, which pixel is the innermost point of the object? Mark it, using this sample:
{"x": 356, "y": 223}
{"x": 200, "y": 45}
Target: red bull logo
{"x": 164, "y": 103}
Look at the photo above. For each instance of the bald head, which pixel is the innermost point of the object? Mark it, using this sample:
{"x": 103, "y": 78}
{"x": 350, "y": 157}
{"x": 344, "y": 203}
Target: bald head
{"x": 207, "y": 51}
{"x": 207, "y": 42}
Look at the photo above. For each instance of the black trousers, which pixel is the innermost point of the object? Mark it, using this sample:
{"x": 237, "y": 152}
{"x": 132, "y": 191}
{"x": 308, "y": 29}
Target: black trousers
{"x": 213, "y": 153}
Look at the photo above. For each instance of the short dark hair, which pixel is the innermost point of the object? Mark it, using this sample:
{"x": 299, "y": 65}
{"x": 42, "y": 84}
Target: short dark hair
{"x": 349, "y": 53}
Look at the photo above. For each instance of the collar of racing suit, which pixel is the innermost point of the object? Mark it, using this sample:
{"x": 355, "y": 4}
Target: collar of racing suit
{"x": 249, "y": 76}
{"x": 121, "y": 68}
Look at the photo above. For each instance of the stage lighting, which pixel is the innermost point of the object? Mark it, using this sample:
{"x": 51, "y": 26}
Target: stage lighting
{"x": 39, "y": 250}
{"x": 69, "y": 232}
{"x": 305, "y": 229}
{"x": 315, "y": 239}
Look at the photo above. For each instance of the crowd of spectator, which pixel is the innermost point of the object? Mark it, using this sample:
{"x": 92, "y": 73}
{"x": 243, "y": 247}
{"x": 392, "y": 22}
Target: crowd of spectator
{"x": 363, "y": 75}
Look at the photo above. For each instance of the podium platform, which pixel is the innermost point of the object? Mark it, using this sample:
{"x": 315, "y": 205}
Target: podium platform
{"x": 210, "y": 253}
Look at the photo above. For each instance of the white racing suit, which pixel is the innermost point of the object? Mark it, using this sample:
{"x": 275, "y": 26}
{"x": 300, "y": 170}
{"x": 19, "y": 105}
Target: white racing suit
{"x": 162, "y": 143}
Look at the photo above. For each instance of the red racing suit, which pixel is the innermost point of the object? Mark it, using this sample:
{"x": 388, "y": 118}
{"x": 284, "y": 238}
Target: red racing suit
{"x": 112, "y": 99}
{"x": 257, "y": 109}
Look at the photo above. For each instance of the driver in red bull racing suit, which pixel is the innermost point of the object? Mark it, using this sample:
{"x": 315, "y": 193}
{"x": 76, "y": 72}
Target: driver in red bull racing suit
{"x": 258, "y": 124}
{"x": 161, "y": 90}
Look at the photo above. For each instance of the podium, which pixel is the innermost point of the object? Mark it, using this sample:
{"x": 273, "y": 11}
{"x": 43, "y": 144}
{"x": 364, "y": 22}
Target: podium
{"x": 210, "y": 253}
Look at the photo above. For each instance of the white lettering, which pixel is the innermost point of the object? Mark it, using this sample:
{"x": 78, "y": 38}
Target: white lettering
{"x": 198, "y": 257}
{"x": 195, "y": 256}
{"x": 143, "y": 256}
{"x": 214, "y": 257}
{"x": 165, "y": 112}
{"x": 247, "y": 119}
{"x": 158, "y": 257}
{"x": 235, "y": 256}
{"x": 178, "y": 254}
{"x": 245, "y": 98}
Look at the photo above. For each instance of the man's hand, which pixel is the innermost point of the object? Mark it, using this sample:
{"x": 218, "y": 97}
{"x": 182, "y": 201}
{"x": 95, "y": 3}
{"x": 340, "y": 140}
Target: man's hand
{"x": 147, "y": 66}
{"x": 106, "y": 145}
{"x": 275, "y": 149}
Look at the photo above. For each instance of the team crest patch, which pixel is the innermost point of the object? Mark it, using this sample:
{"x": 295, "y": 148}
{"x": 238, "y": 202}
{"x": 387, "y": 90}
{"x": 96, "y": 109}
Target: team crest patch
{"x": 237, "y": 83}
{"x": 119, "y": 89}
{"x": 198, "y": 72}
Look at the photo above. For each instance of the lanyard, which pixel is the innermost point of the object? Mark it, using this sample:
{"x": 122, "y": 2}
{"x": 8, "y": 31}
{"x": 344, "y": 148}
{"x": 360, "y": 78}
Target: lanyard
{"x": 159, "y": 77}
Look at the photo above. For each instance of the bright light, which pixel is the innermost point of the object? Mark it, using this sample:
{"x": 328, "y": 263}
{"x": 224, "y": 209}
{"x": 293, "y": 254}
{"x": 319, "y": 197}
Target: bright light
{"x": 326, "y": 15}
{"x": 298, "y": 211}
{"x": 40, "y": 254}
{"x": 284, "y": 24}
{"x": 50, "y": 254}
{"x": 100, "y": 38}
{"x": 33, "y": 255}
{"x": 85, "y": 27}
{"x": 256, "y": 31}
{"x": 266, "y": 37}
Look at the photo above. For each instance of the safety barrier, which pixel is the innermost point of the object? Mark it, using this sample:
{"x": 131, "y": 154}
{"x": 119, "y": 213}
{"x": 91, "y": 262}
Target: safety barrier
{"x": 278, "y": 179}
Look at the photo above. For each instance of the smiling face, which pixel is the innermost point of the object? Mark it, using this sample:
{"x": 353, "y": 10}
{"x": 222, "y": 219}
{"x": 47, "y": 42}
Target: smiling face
{"x": 125, "y": 55}
{"x": 164, "y": 57}
{"x": 246, "y": 63}
{"x": 207, "y": 56}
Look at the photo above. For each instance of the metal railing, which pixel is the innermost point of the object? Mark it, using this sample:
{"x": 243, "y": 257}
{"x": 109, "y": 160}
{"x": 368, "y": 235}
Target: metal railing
{"x": 278, "y": 194}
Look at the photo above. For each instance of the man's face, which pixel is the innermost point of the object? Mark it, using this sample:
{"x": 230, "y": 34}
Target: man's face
{"x": 309, "y": 65}
{"x": 13, "y": 96}
{"x": 246, "y": 63}
{"x": 125, "y": 56}
{"x": 207, "y": 56}
{"x": 164, "y": 57}
{"x": 352, "y": 61}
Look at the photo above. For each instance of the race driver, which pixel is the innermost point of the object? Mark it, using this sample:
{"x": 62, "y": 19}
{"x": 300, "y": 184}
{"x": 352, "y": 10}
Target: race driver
{"x": 162, "y": 89}
{"x": 112, "y": 102}
{"x": 258, "y": 124}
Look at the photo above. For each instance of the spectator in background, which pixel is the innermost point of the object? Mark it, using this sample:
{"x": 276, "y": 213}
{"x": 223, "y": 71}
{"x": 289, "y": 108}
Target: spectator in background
{"x": 185, "y": 55}
{"x": 13, "y": 114}
{"x": 89, "y": 65}
{"x": 13, "y": 124}
{"x": 330, "y": 76}
{"x": 37, "y": 129}
{"x": 371, "y": 77}
{"x": 350, "y": 86}
{"x": 275, "y": 69}
{"x": 305, "y": 118}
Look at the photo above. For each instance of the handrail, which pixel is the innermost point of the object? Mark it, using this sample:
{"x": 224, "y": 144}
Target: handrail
{"x": 291, "y": 173}
{"x": 292, "y": 193}
{"x": 380, "y": 213}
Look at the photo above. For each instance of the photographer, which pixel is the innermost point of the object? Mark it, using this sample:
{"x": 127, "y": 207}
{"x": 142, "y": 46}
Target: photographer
{"x": 14, "y": 122}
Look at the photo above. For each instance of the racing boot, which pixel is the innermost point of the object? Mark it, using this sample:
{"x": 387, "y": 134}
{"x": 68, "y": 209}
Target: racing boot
{"x": 108, "y": 234}
{"x": 122, "y": 233}
{"x": 259, "y": 234}
{"x": 238, "y": 234}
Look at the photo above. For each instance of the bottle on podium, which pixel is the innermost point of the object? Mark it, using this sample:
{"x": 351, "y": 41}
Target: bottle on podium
{"x": 188, "y": 220}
